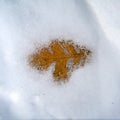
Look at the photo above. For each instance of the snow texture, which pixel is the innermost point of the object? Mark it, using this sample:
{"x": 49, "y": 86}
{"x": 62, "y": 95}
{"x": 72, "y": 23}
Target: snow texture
{"x": 92, "y": 91}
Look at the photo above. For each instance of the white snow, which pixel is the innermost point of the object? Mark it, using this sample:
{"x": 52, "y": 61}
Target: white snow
{"x": 92, "y": 91}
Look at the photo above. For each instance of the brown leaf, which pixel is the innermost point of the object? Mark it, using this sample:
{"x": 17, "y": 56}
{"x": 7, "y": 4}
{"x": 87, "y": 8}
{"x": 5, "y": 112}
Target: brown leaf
{"x": 59, "y": 52}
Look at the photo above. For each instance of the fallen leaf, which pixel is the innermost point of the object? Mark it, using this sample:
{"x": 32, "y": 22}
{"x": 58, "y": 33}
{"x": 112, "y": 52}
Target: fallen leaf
{"x": 60, "y": 53}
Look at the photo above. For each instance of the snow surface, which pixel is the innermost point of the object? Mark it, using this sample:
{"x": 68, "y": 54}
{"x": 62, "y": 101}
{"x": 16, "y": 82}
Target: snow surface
{"x": 92, "y": 91}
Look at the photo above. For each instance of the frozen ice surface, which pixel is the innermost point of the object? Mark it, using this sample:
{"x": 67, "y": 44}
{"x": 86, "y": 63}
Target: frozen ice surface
{"x": 92, "y": 91}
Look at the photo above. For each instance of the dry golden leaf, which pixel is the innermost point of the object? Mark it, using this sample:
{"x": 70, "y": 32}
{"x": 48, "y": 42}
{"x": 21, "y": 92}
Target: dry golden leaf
{"x": 62, "y": 53}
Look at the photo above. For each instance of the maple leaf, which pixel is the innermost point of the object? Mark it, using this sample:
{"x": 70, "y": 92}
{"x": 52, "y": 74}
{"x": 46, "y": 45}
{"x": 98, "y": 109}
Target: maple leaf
{"x": 59, "y": 52}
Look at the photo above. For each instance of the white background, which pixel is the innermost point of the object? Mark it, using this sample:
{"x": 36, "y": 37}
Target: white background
{"x": 92, "y": 91}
